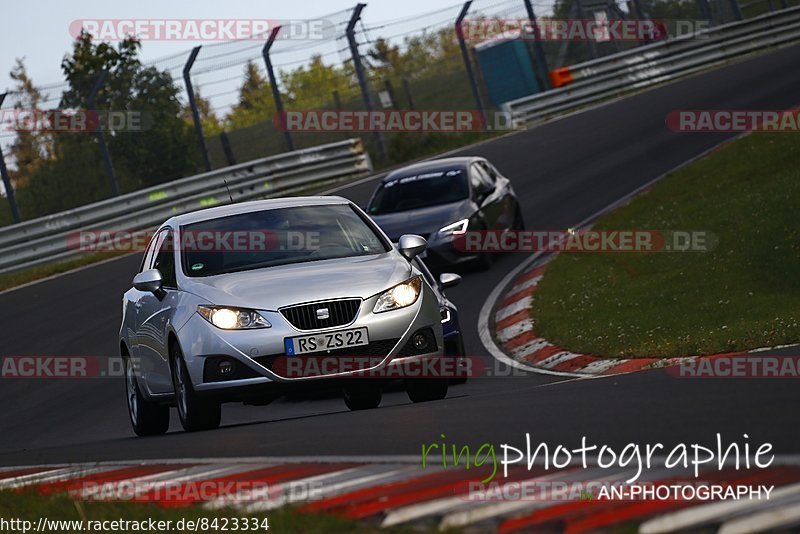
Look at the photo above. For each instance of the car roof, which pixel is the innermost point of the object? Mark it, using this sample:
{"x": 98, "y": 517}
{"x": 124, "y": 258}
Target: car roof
{"x": 431, "y": 165}
{"x": 253, "y": 206}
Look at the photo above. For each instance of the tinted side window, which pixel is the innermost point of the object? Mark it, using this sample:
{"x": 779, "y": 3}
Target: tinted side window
{"x": 165, "y": 260}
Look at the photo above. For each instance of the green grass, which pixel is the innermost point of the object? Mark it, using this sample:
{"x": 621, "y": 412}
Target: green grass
{"x": 31, "y": 506}
{"x": 743, "y": 294}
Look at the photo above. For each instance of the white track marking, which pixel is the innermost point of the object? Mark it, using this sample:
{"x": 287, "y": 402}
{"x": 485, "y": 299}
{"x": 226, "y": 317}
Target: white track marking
{"x": 515, "y": 307}
{"x": 510, "y": 332}
{"x": 522, "y": 286}
{"x": 58, "y": 475}
{"x": 531, "y": 347}
{"x": 710, "y": 513}
{"x": 558, "y": 358}
{"x": 779, "y": 517}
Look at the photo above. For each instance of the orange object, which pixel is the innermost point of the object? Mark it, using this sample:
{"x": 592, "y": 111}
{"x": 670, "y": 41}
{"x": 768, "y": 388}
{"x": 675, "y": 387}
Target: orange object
{"x": 560, "y": 77}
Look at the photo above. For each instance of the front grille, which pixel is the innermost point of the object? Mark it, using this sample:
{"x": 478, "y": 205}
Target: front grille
{"x": 304, "y": 316}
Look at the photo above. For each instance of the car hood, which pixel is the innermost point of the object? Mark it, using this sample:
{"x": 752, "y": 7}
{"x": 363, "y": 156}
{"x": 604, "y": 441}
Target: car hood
{"x": 274, "y": 287}
{"x": 423, "y": 221}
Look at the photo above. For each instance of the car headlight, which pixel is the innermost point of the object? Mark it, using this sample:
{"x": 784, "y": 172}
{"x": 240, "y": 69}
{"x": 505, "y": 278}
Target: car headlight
{"x": 458, "y": 227}
{"x": 233, "y": 318}
{"x": 400, "y": 296}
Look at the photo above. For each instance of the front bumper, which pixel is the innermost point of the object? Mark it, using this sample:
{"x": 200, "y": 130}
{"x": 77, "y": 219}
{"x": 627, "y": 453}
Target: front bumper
{"x": 256, "y": 351}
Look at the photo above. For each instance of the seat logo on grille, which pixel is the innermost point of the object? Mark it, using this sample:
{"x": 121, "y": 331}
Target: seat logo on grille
{"x": 323, "y": 313}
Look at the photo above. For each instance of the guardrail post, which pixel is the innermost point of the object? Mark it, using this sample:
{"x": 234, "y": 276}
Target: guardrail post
{"x": 276, "y": 93}
{"x": 468, "y": 62}
{"x": 541, "y": 59}
{"x": 198, "y": 126}
{"x": 101, "y": 138}
{"x": 12, "y": 198}
{"x": 362, "y": 80}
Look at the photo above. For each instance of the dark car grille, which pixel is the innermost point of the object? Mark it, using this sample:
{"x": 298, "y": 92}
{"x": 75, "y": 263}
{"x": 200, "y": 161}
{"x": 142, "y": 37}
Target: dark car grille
{"x": 304, "y": 316}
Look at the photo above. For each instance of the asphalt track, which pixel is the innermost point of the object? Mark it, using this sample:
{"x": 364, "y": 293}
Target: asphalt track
{"x": 563, "y": 172}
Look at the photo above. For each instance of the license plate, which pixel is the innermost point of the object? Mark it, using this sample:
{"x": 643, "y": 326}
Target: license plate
{"x": 341, "y": 339}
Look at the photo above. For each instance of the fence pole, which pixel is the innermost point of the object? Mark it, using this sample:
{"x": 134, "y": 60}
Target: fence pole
{"x": 198, "y": 126}
{"x": 541, "y": 59}
{"x": 589, "y": 39}
{"x": 362, "y": 80}
{"x": 101, "y": 138}
{"x": 705, "y": 11}
{"x": 276, "y": 93}
{"x": 409, "y": 96}
{"x": 462, "y": 43}
{"x": 12, "y": 198}
{"x": 226, "y": 147}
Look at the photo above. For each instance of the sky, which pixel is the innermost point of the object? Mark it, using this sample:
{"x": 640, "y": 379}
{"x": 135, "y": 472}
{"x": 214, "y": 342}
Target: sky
{"x": 39, "y": 30}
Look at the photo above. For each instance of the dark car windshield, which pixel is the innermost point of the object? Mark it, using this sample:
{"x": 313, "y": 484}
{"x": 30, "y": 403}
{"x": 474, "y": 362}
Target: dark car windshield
{"x": 276, "y": 237}
{"x": 413, "y": 191}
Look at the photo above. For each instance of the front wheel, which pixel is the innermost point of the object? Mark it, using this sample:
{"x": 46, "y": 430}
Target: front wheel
{"x": 195, "y": 412}
{"x": 426, "y": 389}
{"x": 362, "y": 395}
{"x": 147, "y": 417}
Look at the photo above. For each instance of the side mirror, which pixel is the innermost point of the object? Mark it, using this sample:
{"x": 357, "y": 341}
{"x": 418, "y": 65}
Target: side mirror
{"x": 411, "y": 246}
{"x": 449, "y": 280}
{"x": 149, "y": 281}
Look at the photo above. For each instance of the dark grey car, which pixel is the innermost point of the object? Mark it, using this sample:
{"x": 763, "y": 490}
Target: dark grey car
{"x": 443, "y": 199}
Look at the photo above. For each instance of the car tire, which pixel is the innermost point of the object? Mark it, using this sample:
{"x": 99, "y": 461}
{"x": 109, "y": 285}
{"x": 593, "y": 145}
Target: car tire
{"x": 147, "y": 418}
{"x": 195, "y": 412}
{"x": 362, "y": 396}
{"x": 459, "y": 380}
{"x": 426, "y": 389}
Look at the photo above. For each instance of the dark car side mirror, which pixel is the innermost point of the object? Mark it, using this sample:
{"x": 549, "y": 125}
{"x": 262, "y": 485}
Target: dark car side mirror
{"x": 449, "y": 279}
{"x": 149, "y": 281}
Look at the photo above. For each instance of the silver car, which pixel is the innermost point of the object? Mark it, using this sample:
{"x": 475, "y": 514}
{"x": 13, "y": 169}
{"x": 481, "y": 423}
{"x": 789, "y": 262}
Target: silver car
{"x": 251, "y": 301}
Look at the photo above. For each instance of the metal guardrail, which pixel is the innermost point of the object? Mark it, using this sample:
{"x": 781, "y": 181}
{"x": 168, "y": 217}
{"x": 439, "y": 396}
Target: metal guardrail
{"x": 51, "y": 238}
{"x": 656, "y": 63}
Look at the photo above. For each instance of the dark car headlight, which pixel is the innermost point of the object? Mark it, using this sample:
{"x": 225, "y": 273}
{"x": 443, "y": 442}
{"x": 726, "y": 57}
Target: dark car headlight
{"x": 456, "y": 228}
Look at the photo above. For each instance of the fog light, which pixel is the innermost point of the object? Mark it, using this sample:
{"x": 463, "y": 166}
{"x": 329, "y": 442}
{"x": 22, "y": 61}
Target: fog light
{"x": 225, "y": 367}
{"x": 420, "y": 341}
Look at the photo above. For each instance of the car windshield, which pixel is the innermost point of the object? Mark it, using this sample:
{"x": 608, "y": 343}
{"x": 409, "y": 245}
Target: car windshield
{"x": 414, "y": 191}
{"x": 276, "y": 237}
